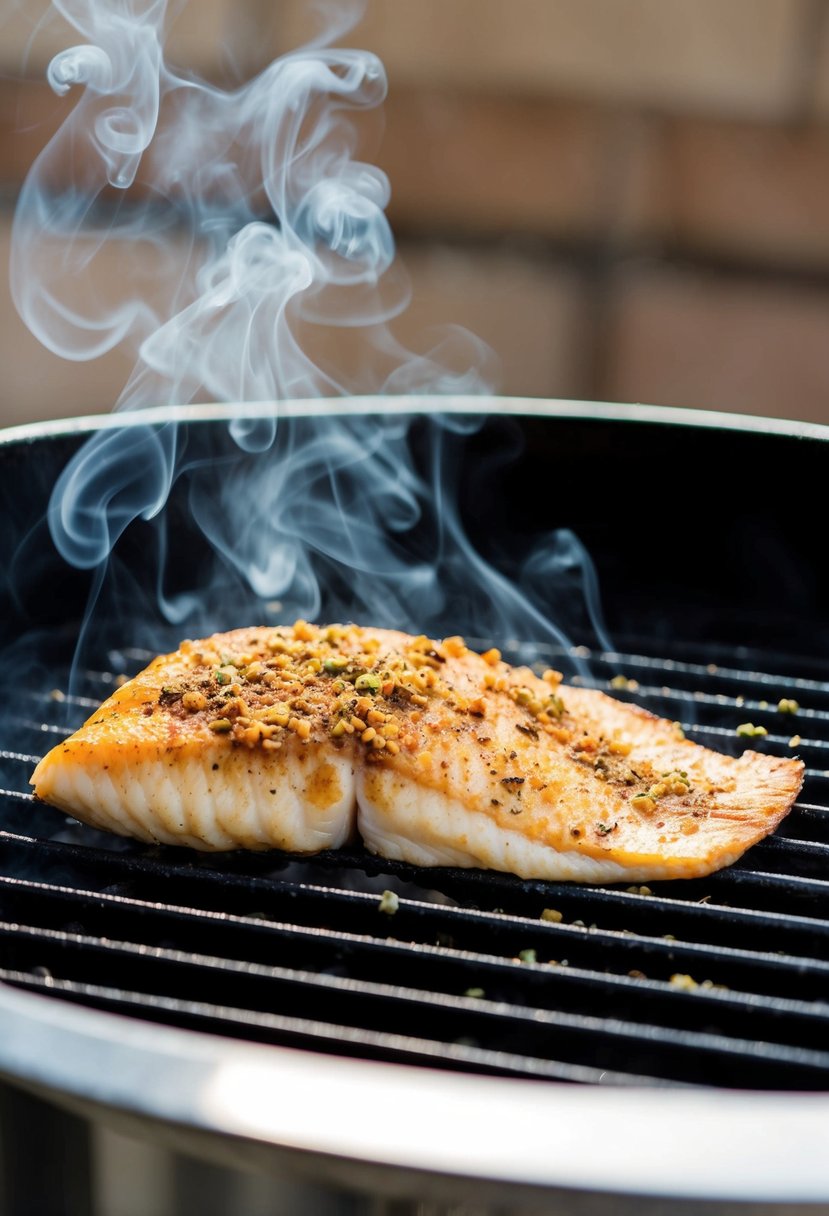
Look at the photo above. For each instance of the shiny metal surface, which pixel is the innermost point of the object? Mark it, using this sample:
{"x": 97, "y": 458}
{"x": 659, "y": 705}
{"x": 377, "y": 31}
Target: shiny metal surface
{"x": 523, "y": 406}
{"x": 401, "y": 1131}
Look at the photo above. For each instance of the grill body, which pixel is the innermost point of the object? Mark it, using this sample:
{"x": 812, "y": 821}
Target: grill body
{"x": 274, "y": 1015}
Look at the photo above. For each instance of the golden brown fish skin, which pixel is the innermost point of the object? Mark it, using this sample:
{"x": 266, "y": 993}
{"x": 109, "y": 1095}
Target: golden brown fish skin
{"x": 457, "y": 757}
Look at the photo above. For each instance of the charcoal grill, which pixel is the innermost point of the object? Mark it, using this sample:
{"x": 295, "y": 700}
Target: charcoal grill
{"x": 662, "y": 1043}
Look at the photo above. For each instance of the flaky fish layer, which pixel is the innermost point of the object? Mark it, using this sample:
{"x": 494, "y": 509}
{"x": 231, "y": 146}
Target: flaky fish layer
{"x": 303, "y": 738}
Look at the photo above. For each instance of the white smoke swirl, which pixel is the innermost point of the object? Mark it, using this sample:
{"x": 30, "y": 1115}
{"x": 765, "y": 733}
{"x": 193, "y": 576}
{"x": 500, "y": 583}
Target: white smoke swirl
{"x": 218, "y": 231}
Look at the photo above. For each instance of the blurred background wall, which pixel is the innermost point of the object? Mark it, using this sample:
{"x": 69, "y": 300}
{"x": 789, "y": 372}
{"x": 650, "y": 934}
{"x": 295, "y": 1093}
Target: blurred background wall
{"x": 628, "y": 199}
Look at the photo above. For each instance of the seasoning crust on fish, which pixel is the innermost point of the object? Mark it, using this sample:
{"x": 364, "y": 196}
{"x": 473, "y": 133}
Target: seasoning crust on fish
{"x": 303, "y": 738}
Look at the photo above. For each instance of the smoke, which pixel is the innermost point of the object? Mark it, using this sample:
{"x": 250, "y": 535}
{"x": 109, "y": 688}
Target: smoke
{"x": 158, "y": 236}
{"x": 236, "y": 242}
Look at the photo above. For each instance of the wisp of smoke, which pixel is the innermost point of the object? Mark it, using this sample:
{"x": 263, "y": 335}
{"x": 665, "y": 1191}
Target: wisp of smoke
{"x": 228, "y": 234}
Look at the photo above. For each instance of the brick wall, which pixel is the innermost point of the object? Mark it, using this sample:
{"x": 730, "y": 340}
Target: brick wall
{"x": 628, "y": 199}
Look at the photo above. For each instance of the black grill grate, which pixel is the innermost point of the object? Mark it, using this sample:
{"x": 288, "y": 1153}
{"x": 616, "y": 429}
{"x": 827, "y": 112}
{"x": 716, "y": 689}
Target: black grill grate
{"x": 273, "y": 949}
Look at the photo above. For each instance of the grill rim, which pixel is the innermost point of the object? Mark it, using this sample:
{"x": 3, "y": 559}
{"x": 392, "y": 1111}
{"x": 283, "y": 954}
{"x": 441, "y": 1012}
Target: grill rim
{"x": 490, "y": 406}
{"x": 377, "y": 1116}
{"x": 555, "y": 1137}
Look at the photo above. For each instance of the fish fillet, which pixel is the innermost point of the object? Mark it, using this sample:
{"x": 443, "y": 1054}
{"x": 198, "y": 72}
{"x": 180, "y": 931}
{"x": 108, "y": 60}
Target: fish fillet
{"x": 303, "y": 738}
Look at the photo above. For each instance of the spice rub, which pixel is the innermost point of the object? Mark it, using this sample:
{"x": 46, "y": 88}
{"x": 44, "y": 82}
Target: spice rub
{"x": 304, "y": 737}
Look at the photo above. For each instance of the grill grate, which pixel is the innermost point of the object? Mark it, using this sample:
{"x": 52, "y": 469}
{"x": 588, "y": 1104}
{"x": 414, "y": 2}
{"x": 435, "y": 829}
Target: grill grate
{"x": 279, "y": 950}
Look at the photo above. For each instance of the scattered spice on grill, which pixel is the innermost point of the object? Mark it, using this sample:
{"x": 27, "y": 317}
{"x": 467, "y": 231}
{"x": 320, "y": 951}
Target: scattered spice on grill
{"x": 623, "y": 683}
{"x": 747, "y": 730}
{"x": 795, "y": 741}
{"x": 786, "y": 705}
{"x": 685, "y": 982}
{"x": 527, "y": 956}
{"x": 389, "y": 903}
{"x": 552, "y": 915}
{"x": 476, "y": 992}
{"x": 639, "y": 891}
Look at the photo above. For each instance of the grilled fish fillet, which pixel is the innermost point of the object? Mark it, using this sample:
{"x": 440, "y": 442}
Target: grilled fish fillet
{"x": 304, "y": 738}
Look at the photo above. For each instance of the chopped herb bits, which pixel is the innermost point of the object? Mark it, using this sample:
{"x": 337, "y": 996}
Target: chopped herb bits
{"x": 747, "y": 730}
{"x": 622, "y": 683}
{"x": 389, "y": 903}
{"x": 685, "y": 982}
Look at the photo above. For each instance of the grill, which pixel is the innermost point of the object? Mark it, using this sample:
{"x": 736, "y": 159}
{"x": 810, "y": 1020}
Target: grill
{"x": 718, "y": 982}
{"x": 284, "y": 952}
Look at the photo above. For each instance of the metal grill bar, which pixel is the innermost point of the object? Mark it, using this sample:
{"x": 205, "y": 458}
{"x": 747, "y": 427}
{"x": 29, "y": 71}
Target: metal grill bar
{"x": 333, "y": 1039}
{"x": 492, "y": 1025}
{"x": 481, "y": 951}
{"x": 296, "y": 951}
{"x": 679, "y": 672}
{"x": 198, "y": 884}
